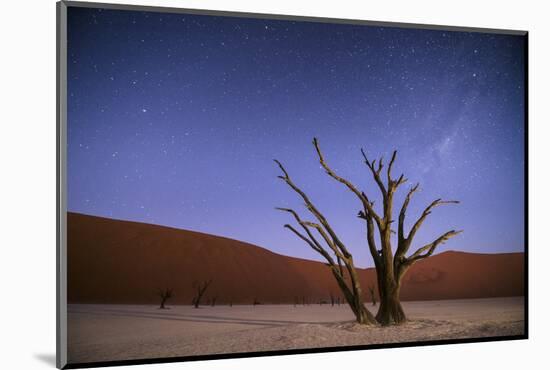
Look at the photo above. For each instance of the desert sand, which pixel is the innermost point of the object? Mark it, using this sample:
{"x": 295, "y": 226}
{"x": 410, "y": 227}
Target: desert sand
{"x": 101, "y": 332}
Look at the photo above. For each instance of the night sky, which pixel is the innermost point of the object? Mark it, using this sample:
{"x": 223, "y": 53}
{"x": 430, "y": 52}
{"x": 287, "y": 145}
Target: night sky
{"x": 175, "y": 120}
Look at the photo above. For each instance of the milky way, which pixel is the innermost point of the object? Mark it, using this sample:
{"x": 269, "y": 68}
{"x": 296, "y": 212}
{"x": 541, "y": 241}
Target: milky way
{"x": 175, "y": 120}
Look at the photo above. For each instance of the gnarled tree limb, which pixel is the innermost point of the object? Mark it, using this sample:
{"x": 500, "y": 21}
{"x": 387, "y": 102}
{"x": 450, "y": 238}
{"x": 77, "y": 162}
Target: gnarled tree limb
{"x": 401, "y": 225}
{"x": 425, "y": 213}
{"x": 362, "y": 196}
{"x": 428, "y": 249}
{"x": 286, "y": 178}
{"x": 376, "y": 173}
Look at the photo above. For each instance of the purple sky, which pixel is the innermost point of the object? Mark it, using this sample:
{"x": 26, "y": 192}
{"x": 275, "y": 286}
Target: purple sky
{"x": 175, "y": 119}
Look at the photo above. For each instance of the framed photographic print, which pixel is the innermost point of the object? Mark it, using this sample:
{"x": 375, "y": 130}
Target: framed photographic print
{"x": 234, "y": 184}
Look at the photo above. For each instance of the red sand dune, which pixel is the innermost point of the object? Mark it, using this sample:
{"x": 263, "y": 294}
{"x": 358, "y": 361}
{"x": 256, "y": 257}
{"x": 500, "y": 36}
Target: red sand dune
{"x": 112, "y": 261}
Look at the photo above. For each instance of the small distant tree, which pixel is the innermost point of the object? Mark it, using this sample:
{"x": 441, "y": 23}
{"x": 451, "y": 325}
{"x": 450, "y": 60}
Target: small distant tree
{"x": 200, "y": 289}
{"x": 332, "y": 299}
{"x": 255, "y": 302}
{"x": 164, "y": 295}
{"x": 372, "y": 296}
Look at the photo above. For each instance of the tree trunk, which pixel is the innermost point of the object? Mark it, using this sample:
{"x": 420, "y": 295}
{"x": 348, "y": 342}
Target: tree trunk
{"x": 355, "y": 300}
{"x": 390, "y": 310}
{"x": 363, "y": 316}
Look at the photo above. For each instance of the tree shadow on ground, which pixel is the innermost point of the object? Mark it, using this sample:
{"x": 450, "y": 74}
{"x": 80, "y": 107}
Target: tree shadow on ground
{"x": 192, "y": 318}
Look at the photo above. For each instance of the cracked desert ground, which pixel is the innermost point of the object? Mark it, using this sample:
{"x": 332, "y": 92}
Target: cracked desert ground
{"x": 124, "y": 332}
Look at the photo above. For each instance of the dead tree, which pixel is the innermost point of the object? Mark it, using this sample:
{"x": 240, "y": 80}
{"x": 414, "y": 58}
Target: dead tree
{"x": 372, "y": 296}
{"x": 390, "y": 268}
{"x": 164, "y": 296}
{"x": 200, "y": 289}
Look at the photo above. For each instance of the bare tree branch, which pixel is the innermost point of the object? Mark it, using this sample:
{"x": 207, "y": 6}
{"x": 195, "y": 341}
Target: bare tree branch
{"x": 370, "y": 214}
{"x": 390, "y": 167}
{"x": 401, "y": 226}
{"x": 303, "y": 237}
{"x": 317, "y": 245}
{"x": 286, "y": 178}
{"x": 430, "y": 248}
{"x": 362, "y": 196}
{"x": 426, "y": 213}
{"x": 340, "y": 268}
{"x": 343, "y": 254}
{"x": 332, "y": 174}
{"x": 321, "y": 251}
{"x": 312, "y": 241}
{"x": 375, "y": 173}
{"x": 370, "y": 235}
